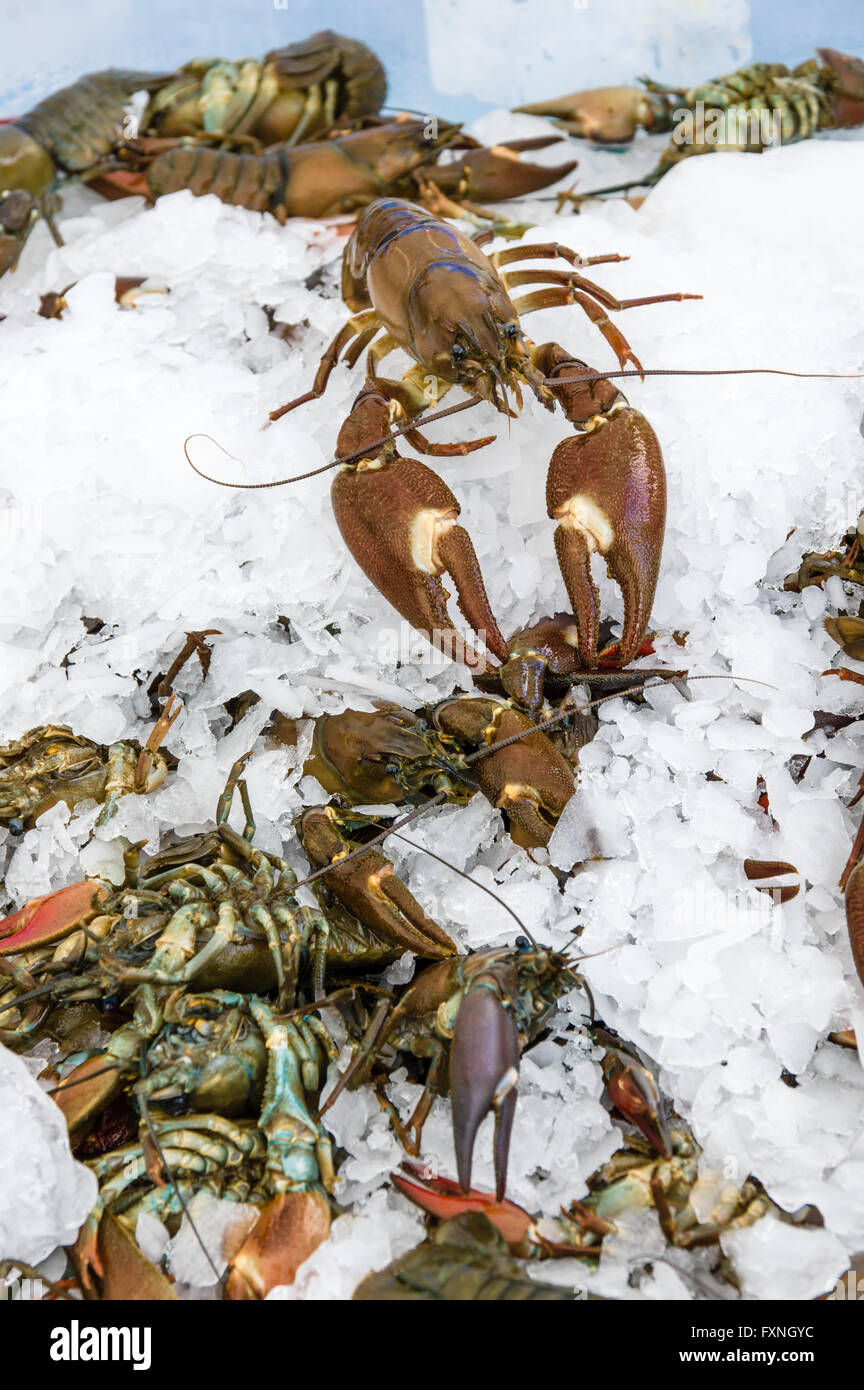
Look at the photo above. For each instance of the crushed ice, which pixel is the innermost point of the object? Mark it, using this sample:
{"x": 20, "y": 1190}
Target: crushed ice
{"x": 101, "y": 518}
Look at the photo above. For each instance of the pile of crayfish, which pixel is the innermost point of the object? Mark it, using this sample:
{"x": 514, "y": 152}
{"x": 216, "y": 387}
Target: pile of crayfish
{"x": 200, "y": 1010}
{"x": 188, "y": 1001}
{"x": 197, "y": 1006}
{"x": 297, "y": 134}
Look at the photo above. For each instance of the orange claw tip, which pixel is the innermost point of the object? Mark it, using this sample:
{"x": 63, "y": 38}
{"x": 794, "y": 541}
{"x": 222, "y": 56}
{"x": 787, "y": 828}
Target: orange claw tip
{"x": 609, "y": 659}
{"x": 290, "y": 1227}
{"x": 632, "y": 1091}
{"x": 51, "y": 917}
{"x": 443, "y": 1198}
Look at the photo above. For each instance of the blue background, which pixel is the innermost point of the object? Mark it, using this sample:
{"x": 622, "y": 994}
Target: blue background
{"x": 503, "y": 51}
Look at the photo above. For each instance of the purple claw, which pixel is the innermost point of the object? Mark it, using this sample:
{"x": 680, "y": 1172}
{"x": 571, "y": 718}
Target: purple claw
{"x": 484, "y": 1070}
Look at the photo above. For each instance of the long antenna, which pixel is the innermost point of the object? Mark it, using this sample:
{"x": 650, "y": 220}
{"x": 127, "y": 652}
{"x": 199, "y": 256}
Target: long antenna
{"x": 551, "y": 381}
{"x": 693, "y": 371}
{"x": 367, "y": 449}
{"x": 79, "y": 1080}
{"x": 470, "y": 878}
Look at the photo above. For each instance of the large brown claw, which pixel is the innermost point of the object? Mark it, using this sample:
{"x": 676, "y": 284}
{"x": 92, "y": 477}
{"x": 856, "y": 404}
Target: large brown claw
{"x": 606, "y": 488}
{"x": 369, "y": 889}
{"x": 484, "y": 1071}
{"x": 399, "y": 520}
{"x": 529, "y": 780}
{"x": 492, "y": 175}
{"x": 607, "y": 115}
{"x": 607, "y": 491}
{"x": 291, "y": 1226}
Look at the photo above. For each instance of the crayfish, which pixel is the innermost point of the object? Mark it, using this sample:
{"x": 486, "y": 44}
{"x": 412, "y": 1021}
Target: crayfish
{"x": 326, "y": 177}
{"x": 295, "y": 94}
{"x": 393, "y": 755}
{"x": 749, "y": 110}
{"x": 71, "y": 134}
{"x": 52, "y": 764}
{"x": 429, "y": 290}
{"x": 299, "y": 135}
{"x": 471, "y": 1017}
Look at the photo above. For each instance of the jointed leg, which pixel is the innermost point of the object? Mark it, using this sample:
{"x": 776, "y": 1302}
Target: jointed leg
{"x": 223, "y": 808}
{"x": 410, "y": 1134}
{"x": 550, "y": 251}
{"x": 355, "y": 327}
{"x": 553, "y": 297}
{"x": 568, "y": 278}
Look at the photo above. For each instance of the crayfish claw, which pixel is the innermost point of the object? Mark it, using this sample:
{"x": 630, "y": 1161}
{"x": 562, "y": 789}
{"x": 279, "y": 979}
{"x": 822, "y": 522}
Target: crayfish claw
{"x": 108, "y": 1251}
{"x": 291, "y": 1226}
{"x": 484, "y": 1072}
{"x": 443, "y": 1199}
{"x": 399, "y": 520}
{"x": 606, "y": 488}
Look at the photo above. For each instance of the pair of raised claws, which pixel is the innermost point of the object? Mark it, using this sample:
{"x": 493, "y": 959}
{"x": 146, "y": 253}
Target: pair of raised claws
{"x": 606, "y": 490}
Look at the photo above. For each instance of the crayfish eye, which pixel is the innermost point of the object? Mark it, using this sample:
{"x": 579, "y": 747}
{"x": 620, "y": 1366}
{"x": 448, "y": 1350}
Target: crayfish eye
{"x": 511, "y": 331}
{"x": 458, "y": 353}
{"x": 522, "y": 943}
